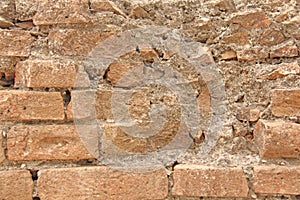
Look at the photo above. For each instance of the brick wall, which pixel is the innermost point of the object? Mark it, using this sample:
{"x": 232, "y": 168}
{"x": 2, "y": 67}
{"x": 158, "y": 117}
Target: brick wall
{"x": 44, "y": 77}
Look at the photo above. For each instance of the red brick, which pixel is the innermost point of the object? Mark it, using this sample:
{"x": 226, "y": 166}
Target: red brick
{"x": 282, "y": 70}
{"x": 105, "y": 5}
{"x": 277, "y": 180}
{"x": 45, "y": 74}
{"x": 228, "y": 55}
{"x": 251, "y": 19}
{"x": 202, "y": 181}
{"x": 62, "y": 12}
{"x": 101, "y": 183}
{"x": 4, "y": 23}
{"x": 271, "y": 37}
{"x": 284, "y": 52}
{"x": 239, "y": 38}
{"x": 15, "y": 43}
{"x": 285, "y": 102}
{"x": 16, "y": 185}
{"x": 30, "y": 105}
{"x": 278, "y": 139}
{"x": 45, "y": 142}
{"x": 118, "y": 69}
{"x": 252, "y": 55}
{"x": 73, "y": 42}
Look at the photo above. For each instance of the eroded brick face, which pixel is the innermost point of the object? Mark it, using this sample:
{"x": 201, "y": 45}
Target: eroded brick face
{"x": 77, "y": 122}
{"x": 16, "y": 184}
{"x": 285, "y": 102}
{"x": 193, "y": 180}
{"x": 102, "y": 183}
{"x": 15, "y": 43}
{"x": 277, "y": 139}
{"x": 276, "y": 180}
{"x": 29, "y": 105}
{"x": 46, "y": 142}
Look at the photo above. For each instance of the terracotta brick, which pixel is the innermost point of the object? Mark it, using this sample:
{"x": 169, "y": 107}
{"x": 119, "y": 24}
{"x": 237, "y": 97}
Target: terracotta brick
{"x": 119, "y": 69}
{"x": 62, "y": 12}
{"x": 15, "y": 185}
{"x": 101, "y": 183}
{"x": 15, "y": 43}
{"x": 228, "y": 55}
{"x": 45, "y": 74}
{"x": 251, "y": 19}
{"x": 239, "y": 38}
{"x": 29, "y": 105}
{"x": 285, "y": 102}
{"x": 284, "y": 52}
{"x": 277, "y": 180}
{"x": 271, "y": 37}
{"x": 278, "y": 139}
{"x": 73, "y": 42}
{"x": 106, "y": 5}
{"x": 282, "y": 70}
{"x": 252, "y": 55}
{"x": 202, "y": 181}
{"x": 45, "y": 142}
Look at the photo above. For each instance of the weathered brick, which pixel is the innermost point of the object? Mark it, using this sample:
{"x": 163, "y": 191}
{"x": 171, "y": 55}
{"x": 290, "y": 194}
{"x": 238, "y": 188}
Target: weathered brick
{"x": 282, "y": 70}
{"x": 45, "y": 142}
{"x": 284, "y": 52}
{"x": 29, "y": 105}
{"x": 62, "y": 12}
{"x": 277, "y": 139}
{"x": 101, "y": 183}
{"x": 5, "y": 23}
{"x": 271, "y": 37}
{"x": 224, "y": 5}
{"x": 252, "y": 55}
{"x": 248, "y": 114}
{"x": 106, "y": 5}
{"x": 138, "y": 12}
{"x": 73, "y": 42}
{"x": 285, "y": 102}
{"x": 15, "y": 43}
{"x": 119, "y": 69}
{"x": 25, "y": 9}
{"x": 277, "y": 180}
{"x": 292, "y": 27}
{"x": 83, "y": 103}
{"x": 7, "y": 9}
{"x": 251, "y": 19}
{"x": 45, "y": 74}
{"x": 202, "y": 181}
{"x": 228, "y": 55}
{"x": 239, "y": 38}
{"x": 15, "y": 185}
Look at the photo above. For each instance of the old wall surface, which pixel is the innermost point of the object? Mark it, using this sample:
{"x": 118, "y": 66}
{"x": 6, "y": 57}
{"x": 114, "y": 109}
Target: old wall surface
{"x": 68, "y": 66}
